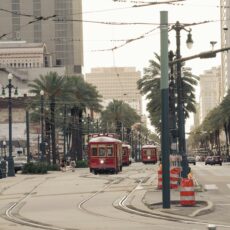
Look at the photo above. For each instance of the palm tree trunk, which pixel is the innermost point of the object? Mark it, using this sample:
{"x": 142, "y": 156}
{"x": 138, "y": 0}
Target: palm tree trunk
{"x": 74, "y": 134}
{"x": 79, "y": 136}
{"x": 47, "y": 127}
{"x": 226, "y": 137}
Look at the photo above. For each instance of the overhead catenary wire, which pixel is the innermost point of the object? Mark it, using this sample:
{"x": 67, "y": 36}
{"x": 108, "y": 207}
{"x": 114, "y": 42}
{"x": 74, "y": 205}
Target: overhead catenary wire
{"x": 40, "y": 18}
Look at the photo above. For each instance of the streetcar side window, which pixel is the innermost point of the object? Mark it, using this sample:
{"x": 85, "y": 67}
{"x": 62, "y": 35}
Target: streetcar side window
{"x": 102, "y": 151}
{"x": 109, "y": 151}
{"x": 94, "y": 151}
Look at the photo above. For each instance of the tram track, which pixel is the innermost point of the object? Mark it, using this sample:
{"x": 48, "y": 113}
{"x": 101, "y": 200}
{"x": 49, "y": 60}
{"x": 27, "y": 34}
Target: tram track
{"x": 11, "y": 213}
{"x": 127, "y": 185}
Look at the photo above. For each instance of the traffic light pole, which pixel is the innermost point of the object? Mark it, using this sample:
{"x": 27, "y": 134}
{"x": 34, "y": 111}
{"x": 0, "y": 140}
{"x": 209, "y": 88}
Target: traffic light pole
{"x": 165, "y": 110}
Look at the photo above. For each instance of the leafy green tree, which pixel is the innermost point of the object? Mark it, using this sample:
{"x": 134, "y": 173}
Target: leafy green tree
{"x": 149, "y": 86}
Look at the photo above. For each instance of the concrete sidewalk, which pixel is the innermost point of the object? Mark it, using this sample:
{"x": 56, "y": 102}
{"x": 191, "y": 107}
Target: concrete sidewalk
{"x": 152, "y": 197}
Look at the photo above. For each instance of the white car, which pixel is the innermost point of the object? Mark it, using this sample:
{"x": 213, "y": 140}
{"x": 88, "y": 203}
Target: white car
{"x": 19, "y": 162}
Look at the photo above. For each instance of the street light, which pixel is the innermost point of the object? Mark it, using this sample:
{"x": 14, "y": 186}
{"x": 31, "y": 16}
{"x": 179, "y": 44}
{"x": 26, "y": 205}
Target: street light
{"x": 4, "y": 149}
{"x": 180, "y": 111}
{"x": 172, "y": 108}
{"x": 42, "y": 147}
{"x": 11, "y": 171}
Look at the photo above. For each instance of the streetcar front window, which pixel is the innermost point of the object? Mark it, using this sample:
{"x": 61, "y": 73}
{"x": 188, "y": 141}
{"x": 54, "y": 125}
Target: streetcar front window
{"x": 109, "y": 151}
{"x": 123, "y": 152}
{"x": 102, "y": 151}
{"x": 94, "y": 151}
{"x": 148, "y": 152}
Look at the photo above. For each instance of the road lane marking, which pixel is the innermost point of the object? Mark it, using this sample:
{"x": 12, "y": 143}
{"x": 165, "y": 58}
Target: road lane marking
{"x": 228, "y": 185}
{"x": 139, "y": 187}
{"x": 210, "y": 187}
{"x": 223, "y": 204}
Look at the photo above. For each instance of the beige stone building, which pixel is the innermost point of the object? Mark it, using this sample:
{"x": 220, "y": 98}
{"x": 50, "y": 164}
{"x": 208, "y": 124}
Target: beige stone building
{"x": 225, "y": 42}
{"x": 210, "y": 91}
{"x": 57, "y": 28}
{"x": 26, "y": 61}
{"x": 119, "y": 83}
{"x": 23, "y": 55}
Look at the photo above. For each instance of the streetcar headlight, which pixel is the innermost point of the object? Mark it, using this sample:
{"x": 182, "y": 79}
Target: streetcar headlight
{"x": 148, "y": 157}
{"x": 102, "y": 161}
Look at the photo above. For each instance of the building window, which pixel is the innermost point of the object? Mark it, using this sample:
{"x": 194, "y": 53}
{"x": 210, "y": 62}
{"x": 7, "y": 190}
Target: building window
{"x": 58, "y": 62}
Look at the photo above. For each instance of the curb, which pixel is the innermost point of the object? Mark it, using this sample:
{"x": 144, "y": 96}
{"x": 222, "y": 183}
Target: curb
{"x": 209, "y": 208}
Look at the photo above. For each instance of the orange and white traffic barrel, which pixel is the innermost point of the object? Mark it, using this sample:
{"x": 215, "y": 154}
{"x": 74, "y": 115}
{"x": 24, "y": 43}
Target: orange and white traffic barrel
{"x": 159, "y": 179}
{"x": 174, "y": 178}
{"x": 187, "y": 192}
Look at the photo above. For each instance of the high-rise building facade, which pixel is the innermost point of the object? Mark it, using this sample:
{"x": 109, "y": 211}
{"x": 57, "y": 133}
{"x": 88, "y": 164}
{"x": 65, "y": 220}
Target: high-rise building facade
{"x": 57, "y": 23}
{"x": 119, "y": 83}
{"x": 225, "y": 42}
{"x": 210, "y": 91}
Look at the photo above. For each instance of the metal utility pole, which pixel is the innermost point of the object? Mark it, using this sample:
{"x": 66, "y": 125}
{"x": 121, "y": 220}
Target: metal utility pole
{"x": 42, "y": 127}
{"x": 180, "y": 105}
{"x": 10, "y": 86}
{"x": 165, "y": 109}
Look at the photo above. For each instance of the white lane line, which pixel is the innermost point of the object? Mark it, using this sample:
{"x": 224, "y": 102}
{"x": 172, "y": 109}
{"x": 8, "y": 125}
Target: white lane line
{"x": 223, "y": 204}
{"x": 210, "y": 187}
{"x": 139, "y": 187}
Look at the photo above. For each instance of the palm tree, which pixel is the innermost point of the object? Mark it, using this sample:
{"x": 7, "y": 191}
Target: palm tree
{"x": 117, "y": 116}
{"x": 54, "y": 88}
{"x": 149, "y": 86}
{"x": 84, "y": 95}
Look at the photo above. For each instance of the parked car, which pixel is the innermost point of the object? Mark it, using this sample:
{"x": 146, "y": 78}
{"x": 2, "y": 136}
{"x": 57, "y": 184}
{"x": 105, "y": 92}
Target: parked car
{"x": 19, "y": 162}
{"x": 213, "y": 160}
{"x": 191, "y": 160}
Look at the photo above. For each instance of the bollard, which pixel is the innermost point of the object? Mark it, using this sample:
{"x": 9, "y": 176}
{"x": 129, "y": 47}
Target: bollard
{"x": 212, "y": 227}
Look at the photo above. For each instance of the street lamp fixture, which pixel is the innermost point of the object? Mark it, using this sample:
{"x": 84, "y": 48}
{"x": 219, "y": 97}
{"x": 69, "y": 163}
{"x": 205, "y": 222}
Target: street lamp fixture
{"x": 189, "y": 40}
{"x": 10, "y": 86}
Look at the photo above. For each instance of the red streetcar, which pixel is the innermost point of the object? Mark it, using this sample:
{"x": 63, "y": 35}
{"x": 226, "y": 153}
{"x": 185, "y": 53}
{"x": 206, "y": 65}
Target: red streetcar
{"x": 126, "y": 154}
{"x": 149, "y": 154}
{"x": 105, "y": 154}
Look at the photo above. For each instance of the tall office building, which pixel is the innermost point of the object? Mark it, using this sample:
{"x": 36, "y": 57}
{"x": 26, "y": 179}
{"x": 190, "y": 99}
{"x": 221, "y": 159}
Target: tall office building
{"x": 60, "y": 28}
{"x": 210, "y": 91}
{"x": 119, "y": 83}
{"x": 225, "y": 42}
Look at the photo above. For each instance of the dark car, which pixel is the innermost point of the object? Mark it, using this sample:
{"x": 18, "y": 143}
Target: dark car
{"x": 213, "y": 160}
{"x": 191, "y": 160}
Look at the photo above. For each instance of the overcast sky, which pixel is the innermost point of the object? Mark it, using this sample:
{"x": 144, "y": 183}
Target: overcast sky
{"x": 100, "y": 39}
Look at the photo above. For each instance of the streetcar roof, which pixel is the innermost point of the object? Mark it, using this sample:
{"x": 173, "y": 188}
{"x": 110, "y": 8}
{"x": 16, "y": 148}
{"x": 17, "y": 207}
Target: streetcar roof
{"x": 148, "y": 146}
{"x": 104, "y": 139}
{"x": 126, "y": 145}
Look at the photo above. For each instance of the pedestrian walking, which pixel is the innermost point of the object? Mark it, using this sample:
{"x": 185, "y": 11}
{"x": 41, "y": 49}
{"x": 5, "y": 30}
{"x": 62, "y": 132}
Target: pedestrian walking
{"x": 63, "y": 165}
{"x": 72, "y": 165}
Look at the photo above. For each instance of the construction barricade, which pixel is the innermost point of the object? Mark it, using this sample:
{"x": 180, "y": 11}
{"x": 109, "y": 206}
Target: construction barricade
{"x": 187, "y": 192}
{"x": 174, "y": 177}
{"x": 159, "y": 172}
